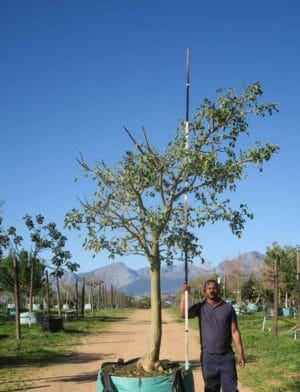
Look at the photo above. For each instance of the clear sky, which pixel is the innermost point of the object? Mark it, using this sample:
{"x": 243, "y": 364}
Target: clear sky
{"x": 73, "y": 73}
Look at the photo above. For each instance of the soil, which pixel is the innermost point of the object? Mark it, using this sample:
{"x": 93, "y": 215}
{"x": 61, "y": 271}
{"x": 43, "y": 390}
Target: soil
{"x": 131, "y": 369}
{"x": 127, "y": 340}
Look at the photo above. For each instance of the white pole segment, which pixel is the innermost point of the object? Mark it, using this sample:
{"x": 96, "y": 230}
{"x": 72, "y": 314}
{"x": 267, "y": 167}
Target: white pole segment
{"x": 186, "y": 329}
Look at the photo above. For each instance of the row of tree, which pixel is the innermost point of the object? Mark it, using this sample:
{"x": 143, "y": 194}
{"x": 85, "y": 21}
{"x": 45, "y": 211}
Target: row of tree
{"x": 79, "y": 295}
{"x": 24, "y": 268}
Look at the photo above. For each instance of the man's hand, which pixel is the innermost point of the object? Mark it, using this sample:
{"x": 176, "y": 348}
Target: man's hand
{"x": 185, "y": 287}
{"x": 240, "y": 361}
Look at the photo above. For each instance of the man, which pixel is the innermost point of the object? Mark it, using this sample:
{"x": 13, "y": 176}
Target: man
{"x": 218, "y": 328}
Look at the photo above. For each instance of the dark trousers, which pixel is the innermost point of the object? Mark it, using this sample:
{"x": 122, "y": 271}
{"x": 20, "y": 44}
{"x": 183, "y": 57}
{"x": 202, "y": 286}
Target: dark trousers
{"x": 219, "y": 371}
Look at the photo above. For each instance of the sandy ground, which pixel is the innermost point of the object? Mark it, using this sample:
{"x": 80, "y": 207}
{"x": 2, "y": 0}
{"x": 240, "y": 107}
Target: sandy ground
{"x": 126, "y": 339}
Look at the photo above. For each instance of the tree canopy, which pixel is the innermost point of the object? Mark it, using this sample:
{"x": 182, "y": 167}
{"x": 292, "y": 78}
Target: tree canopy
{"x": 286, "y": 258}
{"x": 44, "y": 238}
{"x": 140, "y": 199}
{"x": 7, "y": 274}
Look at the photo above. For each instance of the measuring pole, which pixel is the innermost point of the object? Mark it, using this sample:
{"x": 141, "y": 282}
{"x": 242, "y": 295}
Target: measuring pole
{"x": 186, "y": 298}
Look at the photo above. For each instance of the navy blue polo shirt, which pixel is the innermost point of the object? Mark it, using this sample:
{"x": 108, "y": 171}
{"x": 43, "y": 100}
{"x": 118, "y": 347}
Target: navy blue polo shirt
{"x": 215, "y": 326}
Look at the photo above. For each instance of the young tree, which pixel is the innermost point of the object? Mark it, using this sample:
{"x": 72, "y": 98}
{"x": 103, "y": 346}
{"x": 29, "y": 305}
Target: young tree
{"x": 60, "y": 258}
{"x": 9, "y": 240}
{"x": 40, "y": 241}
{"x": 7, "y": 274}
{"x": 286, "y": 257}
{"x": 250, "y": 289}
{"x": 44, "y": 237}
{"x": 234, "y": 274}
{"x": 137, "y": 206}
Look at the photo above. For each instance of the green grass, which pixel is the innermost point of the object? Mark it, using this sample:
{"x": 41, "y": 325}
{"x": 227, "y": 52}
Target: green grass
{"x": 37, "y": 348}
{"x": 273, "y": 363}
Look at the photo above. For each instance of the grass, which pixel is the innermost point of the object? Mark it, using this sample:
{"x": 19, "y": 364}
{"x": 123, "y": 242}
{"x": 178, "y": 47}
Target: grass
{"x": 36, "y": 348}
{"x": 273, "y": 363}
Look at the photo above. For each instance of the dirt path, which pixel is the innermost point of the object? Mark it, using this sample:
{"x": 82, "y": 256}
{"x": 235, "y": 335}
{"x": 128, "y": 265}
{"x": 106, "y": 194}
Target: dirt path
{"x": 127, "y": 339}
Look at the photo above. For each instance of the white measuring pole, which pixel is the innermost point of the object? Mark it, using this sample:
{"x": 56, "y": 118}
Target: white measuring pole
{"x": 186, "y": 298}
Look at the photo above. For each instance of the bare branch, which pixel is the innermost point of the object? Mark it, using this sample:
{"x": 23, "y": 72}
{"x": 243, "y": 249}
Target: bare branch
{"x": 134, "y": 141}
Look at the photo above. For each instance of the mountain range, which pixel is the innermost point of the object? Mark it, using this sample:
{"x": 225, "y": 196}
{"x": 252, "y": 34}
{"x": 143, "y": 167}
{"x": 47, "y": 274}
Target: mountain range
{"x": 137, "y": 282}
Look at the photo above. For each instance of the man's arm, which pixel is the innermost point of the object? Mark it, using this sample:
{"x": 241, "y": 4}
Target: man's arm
{"x": 237, "y": 340}
{"x": 192, "y": 312}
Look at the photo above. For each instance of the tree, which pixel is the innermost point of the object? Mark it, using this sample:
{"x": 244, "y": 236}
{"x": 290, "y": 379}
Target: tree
{"x": 250, "y": 289}
{"x": 40, "y": 241}
{"x": 44, "y": 237}
{"x": 286, "y": 257}
{"x": 137, "y": 206}
{"x": 234, "y": 274}
{"x": 7, "y": 274}
{"x": 60, "y": 258}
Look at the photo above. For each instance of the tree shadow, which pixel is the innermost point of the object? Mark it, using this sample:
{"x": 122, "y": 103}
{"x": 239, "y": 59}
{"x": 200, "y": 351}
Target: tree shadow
{"x": 105, "y": 319}
{"x": 78, "y": 378}
{"x": 42, "y": 361}
{"x": 26, "y": 388}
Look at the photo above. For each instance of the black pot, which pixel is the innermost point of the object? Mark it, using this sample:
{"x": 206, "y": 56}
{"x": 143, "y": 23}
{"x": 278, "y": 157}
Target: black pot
{"x": 51, "y": 323}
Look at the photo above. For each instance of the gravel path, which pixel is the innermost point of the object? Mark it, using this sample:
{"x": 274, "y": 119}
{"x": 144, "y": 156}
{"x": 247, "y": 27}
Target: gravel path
{"x": 126, "y": 339}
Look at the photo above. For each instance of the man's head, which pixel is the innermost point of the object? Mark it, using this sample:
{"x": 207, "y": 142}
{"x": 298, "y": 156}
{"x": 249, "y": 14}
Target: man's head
{"x": 211, "y": 289}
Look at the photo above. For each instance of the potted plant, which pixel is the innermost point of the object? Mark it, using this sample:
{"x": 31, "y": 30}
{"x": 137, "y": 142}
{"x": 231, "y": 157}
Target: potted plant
{"x": 51, "y": 323}
{"x": 140, "y": 200}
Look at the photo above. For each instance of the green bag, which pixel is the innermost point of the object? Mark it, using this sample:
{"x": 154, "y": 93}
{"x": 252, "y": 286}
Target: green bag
{"x": 179, "y": 381}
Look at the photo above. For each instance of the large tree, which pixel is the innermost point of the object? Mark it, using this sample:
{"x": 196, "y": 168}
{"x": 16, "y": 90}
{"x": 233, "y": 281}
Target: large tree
{"x": 138, "y": 208}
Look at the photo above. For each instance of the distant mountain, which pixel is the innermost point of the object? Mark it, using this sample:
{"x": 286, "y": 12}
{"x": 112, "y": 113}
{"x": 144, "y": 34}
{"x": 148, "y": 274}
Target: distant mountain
{"x": 115, "y": 273}
{"x": 248, "y": 262}
{"x": 137, "y": 282}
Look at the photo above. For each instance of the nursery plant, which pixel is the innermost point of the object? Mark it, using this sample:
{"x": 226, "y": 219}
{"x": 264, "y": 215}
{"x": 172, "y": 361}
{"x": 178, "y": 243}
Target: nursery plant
{"x": 137, "y": 207}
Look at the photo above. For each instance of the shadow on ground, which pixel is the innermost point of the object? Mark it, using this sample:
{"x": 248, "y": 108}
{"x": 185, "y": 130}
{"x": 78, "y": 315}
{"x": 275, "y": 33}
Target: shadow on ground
{"x": 80, "y": 379}
{"x": 72, "y": 358}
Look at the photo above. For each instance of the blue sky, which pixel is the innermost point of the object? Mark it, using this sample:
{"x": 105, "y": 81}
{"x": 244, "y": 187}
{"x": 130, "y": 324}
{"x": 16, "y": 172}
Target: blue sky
{"x": 73, "y": 73}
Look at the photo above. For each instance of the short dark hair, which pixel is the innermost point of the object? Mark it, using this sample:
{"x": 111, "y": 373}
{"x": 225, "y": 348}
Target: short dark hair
{"x": 209, "y": 281}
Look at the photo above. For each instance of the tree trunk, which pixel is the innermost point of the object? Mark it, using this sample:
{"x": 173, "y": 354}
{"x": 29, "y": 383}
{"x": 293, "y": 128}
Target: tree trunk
{"x": 82, "y": 297}
{"x": 104, "y": 296}
{"x": 151, "y": 359}
{"x": 47, "y": 294}
{"x": 76, "y": 298}
{"x": 31, "y": 285}
{"x": 111, "y": 296}
{"x": 275, "y": 323}
{"x": 99, "y": 298}
{"x": 156, "y": 322}
{"x": 17, "y": 297}
{"x": 58, "y": 296}
{"x": 298, "y": 285}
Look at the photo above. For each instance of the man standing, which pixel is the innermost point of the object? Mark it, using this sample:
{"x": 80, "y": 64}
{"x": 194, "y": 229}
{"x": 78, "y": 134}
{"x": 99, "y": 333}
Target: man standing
{"x": 218, "y": 329}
